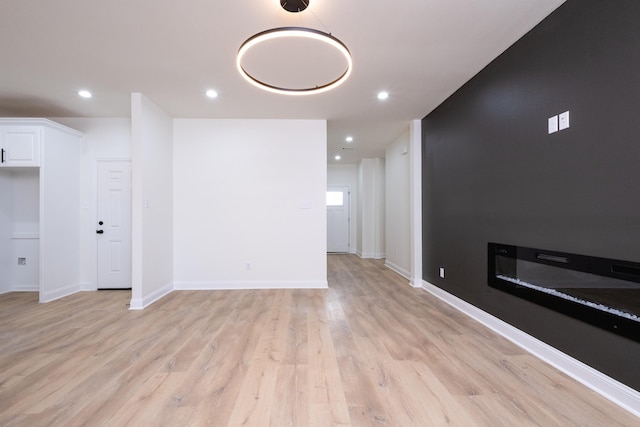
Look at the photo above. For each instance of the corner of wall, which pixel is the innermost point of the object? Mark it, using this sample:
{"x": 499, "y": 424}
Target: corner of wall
{"x": 147, "y": 300}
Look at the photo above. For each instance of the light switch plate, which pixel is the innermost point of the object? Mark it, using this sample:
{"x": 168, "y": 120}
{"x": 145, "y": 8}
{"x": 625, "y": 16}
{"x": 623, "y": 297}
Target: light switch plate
{"x": 563, "y": 120}
{"x": 553, "y": 124}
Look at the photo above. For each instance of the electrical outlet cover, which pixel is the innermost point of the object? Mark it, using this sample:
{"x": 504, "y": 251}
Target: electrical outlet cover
{"x": 553, "y": 124}
{"x": 563, "y": 120}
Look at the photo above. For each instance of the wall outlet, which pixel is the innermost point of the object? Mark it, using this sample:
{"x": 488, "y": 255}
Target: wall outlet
{"x": 22, "y": 261}
{"x": 442, "y": 272}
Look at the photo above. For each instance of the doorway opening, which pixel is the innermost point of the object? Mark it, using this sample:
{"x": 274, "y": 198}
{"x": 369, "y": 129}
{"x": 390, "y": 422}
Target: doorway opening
{"x": 338, "y": 219}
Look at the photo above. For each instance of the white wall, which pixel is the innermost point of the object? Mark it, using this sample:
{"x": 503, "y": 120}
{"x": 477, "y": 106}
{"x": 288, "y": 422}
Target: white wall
{"x": 347, "y": 176}
{"x": 103, "y": 139}
{"x": 398, "y": 206}
{"x": 152, "y": 201}
{"x": 241, "y": 188}
{"x": 379, "y": 206}
{"x": 59, "y": 213}
{"x": 415, "y": 191}
{"x": 370, "y": 236}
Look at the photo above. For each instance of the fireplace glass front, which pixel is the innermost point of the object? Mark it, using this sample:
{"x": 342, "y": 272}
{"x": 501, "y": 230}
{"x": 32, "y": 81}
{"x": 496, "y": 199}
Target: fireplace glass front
{"x": 601, "y": 291}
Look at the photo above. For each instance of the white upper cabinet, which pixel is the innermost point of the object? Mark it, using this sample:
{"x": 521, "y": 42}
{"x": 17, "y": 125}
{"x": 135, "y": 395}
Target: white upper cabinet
{"x": 20, "y": 145}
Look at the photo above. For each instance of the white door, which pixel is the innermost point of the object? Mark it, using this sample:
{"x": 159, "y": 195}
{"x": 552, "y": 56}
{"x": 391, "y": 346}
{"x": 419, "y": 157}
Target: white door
{"x": 113, "y": 225}
{"x": 338, "y": 219}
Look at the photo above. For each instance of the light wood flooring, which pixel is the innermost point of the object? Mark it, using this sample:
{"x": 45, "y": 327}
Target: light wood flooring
{"x": 369, "y": 351}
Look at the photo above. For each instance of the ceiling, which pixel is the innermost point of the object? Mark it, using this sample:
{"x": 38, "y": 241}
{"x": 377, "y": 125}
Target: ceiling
{"x": 419, "y": 51}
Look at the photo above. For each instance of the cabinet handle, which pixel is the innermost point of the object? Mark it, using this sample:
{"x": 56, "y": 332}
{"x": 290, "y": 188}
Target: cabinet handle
{"x": 2, "y": 161}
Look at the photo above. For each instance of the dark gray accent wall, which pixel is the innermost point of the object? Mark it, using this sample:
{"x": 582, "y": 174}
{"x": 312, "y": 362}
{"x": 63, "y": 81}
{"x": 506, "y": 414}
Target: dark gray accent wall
{"x": 492, "y": 173}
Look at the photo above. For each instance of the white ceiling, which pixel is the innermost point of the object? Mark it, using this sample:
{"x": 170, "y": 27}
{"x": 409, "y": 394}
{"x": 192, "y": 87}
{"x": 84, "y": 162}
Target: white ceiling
{"x": 420, "y": 51}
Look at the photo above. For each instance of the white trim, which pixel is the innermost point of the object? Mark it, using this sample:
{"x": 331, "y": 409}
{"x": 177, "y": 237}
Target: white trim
{"x": 25, "y": 236}
{"x": 59, "y": 293}
{"x": 25, "y": 288}
{"x": 256, "y": 284}
{"x": 141, "y": 303}
{"x": 615, "y": 391}
{"x": 365, "y": 255}
{"x": 36, "y": 121}
{"x": 401, "y": 271}
{"x": 415, "y": 185}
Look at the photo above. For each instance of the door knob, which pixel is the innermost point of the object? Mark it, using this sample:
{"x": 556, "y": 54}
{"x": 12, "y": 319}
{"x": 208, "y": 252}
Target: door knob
{"x": 100, "y": 231}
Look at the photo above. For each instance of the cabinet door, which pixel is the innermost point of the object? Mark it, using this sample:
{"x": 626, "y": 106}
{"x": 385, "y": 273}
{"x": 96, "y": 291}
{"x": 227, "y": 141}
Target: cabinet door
{"x": 20, "y": 146}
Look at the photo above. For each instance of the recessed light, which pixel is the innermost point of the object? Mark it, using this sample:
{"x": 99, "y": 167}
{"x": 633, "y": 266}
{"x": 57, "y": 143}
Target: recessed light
{"x": 212, "y": 93}
{"x": 84, "y": 93}
{"x": 337, "y": 157}
{"x": 383, "y": 95}
{"x": 349, "y": 139}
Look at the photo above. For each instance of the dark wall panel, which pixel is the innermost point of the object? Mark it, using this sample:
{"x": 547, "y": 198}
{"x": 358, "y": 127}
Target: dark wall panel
{"x": 491, "y": 173}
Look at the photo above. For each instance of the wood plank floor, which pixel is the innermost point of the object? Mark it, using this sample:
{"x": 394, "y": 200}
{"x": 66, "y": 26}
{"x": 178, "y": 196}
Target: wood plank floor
{"x": 369, "y": 351}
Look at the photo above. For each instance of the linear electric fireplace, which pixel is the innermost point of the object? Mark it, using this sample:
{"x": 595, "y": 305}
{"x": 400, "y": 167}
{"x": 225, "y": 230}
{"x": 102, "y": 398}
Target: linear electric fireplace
{"x": 601, "y": 291}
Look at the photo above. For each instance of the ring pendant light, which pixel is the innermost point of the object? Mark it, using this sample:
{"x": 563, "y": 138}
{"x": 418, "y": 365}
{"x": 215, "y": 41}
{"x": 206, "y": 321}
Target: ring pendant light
{"x": 294, "y": 6}
{"x": 294, "y": 32}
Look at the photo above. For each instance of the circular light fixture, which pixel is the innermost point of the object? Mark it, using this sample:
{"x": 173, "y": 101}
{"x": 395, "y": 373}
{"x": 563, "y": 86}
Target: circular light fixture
{"x": 349, "y": 139}
{"x": 383, "y": 95}
{"x": 295, "y": 32}
{"x": 84, "y": 93}
{"x": 212, "y": 93}
{"x": 294, "y": 6}
{"x": 337, "y": 157}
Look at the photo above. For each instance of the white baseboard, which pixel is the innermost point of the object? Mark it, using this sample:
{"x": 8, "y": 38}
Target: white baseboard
{"x": 25, "y": 288}
{"x": 619, "y": 393}
{"x": 146, "y": 301}
{"x": 395, "y": 267}
{"x": 415, "y": 282}
{"x": 87, "y": 286}
{"x": 372, "y": 255}
{"x": 257, "y": 284}
{"x": 365, "y": 255}
{"x": 59, "y": 293}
